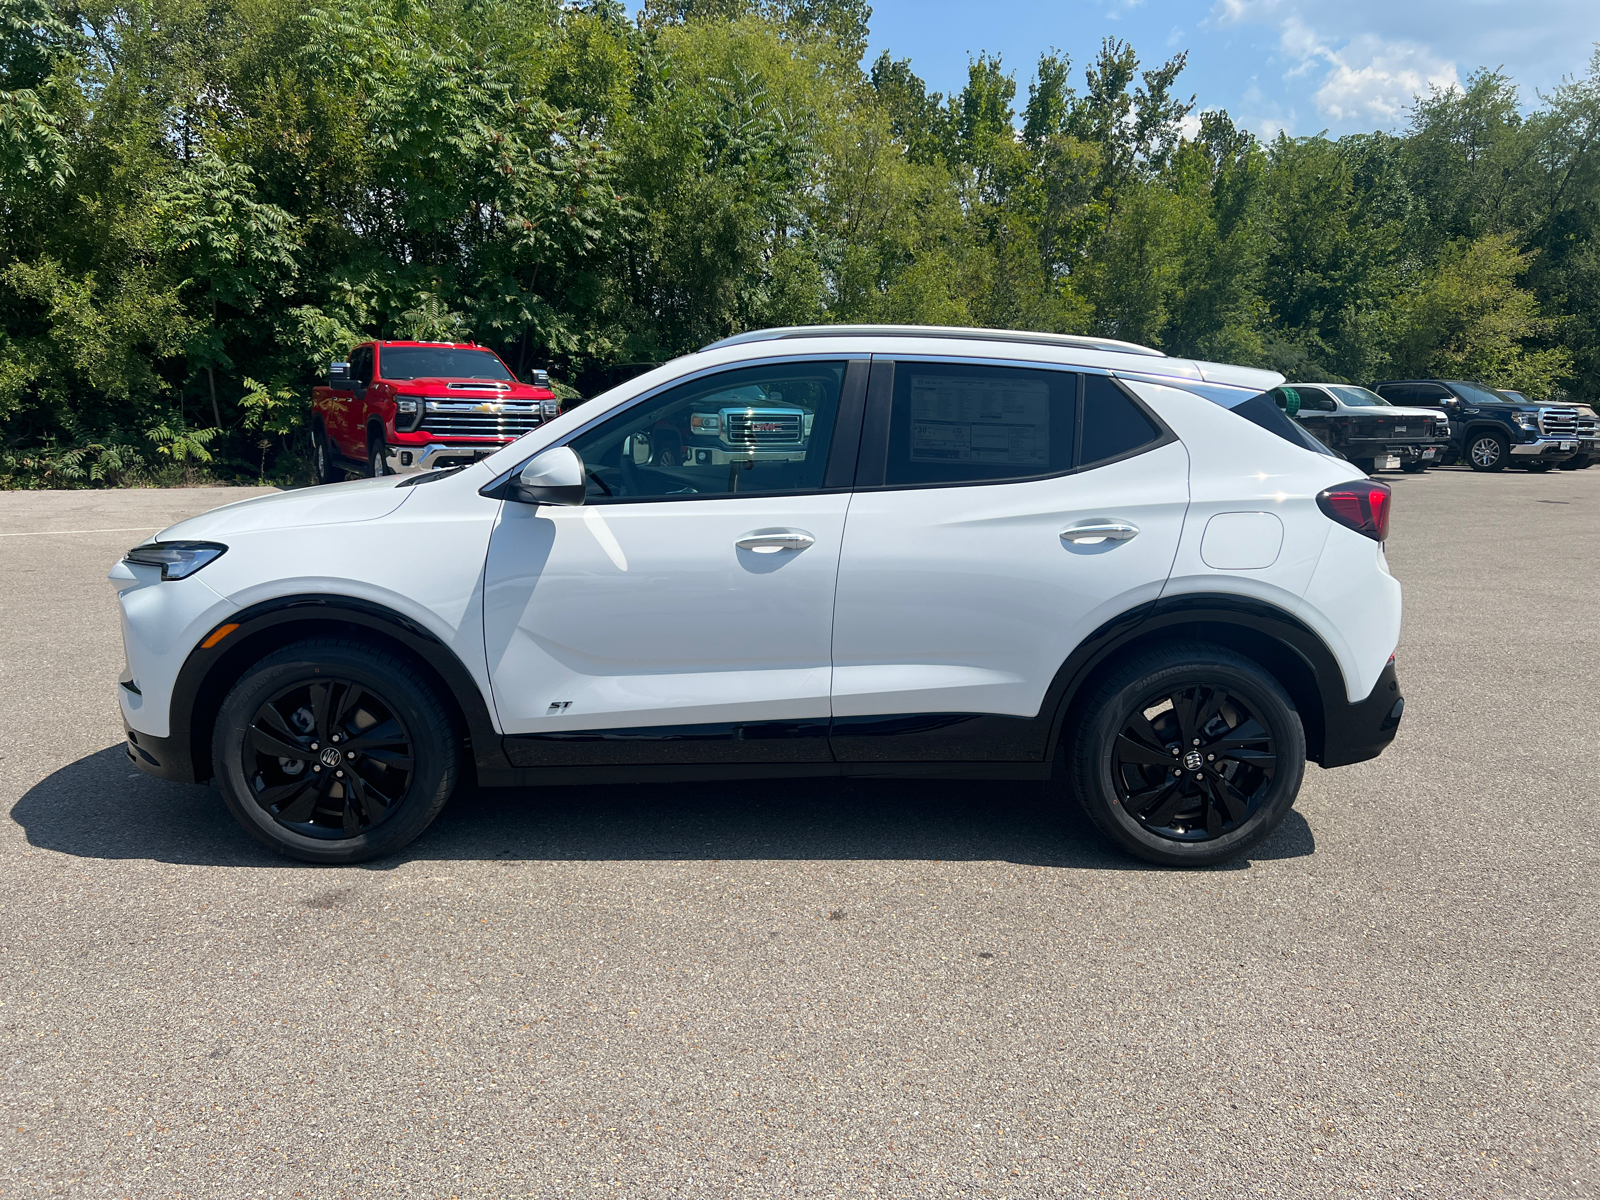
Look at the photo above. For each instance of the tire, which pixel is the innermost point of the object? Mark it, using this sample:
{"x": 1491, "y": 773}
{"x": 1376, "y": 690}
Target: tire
{"x": 1204, "y": 823}
{"x": 1576, "y": 463}
{"x": 1365, "y": 465}
{"x": 377, "y": 699}
{"x": 321, "y": 458}
{"x": 377, "y": 459}
{"x": 1488, "y": 452}
{"x": 1414, "y": 466}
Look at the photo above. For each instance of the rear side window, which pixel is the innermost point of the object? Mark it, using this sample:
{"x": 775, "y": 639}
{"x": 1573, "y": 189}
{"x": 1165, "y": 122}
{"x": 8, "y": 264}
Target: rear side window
{"x": 956, "y": 423}
{"x": 1113, "y": 426}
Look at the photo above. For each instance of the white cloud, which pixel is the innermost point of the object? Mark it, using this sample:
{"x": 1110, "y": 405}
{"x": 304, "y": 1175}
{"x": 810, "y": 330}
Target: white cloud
{"x": 1365, "y": 77}
{"x": 1376, "y": 80}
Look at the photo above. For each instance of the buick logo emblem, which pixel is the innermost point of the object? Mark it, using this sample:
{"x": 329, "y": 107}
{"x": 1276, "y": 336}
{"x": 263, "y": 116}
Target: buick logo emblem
{"x": 331, "y": 757}
{"x": 1192, "y": 760}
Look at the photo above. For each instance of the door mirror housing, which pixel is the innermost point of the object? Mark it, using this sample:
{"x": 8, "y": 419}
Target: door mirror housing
{"x": 554, "y": 476}
{"x": 339, "y": 376}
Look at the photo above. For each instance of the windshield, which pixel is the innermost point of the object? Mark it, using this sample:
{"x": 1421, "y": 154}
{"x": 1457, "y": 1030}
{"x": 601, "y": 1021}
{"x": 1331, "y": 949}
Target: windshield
{"x": 439, "y": 362}
{"x": 1358, "y": 397}
{"x": 1473, "y": 394}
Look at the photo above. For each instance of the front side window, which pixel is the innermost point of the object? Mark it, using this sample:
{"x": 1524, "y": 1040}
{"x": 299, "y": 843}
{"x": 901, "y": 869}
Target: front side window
{"x": 1473, "y": 394}
{"x": 440, "y": 362}
{"x": 753, "y": 431}
{"x": 955, "y": 423}
{"x": 361, "y": 365}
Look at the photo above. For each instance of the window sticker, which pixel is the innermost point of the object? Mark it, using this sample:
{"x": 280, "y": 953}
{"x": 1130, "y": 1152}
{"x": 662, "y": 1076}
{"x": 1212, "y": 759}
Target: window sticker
{"x": 980, "y": 420}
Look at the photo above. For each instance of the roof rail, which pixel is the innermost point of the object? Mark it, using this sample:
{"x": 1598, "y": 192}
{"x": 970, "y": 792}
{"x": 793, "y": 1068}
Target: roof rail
{"x": 1079, "y": 342}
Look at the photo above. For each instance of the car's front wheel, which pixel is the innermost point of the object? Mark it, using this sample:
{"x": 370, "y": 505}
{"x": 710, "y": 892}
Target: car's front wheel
{"x": 334, "y": 751}
{"x": 1188, "y": 755}
{"x": 1487, "y": 452}
{"x": 377, "y": 459}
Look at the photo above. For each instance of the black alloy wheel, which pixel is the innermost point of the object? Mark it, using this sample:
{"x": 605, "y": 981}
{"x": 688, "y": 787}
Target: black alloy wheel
{"x": 1487, "y": 452}
{"x": 335, "y": 751}
{"x": 328, "y": 759}
{"x": 1192, "y": 762}
{"x": 1188, "y": 755}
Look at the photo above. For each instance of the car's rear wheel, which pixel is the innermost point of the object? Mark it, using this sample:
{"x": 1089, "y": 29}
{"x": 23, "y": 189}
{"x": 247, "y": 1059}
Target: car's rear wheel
{"x": 1187, "y": 755}
{"x": 333, "y": 751}
{"x": 1487, "y": 452}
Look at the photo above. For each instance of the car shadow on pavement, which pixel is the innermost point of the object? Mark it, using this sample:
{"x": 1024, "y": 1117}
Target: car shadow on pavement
{"x": 102, "y": 807}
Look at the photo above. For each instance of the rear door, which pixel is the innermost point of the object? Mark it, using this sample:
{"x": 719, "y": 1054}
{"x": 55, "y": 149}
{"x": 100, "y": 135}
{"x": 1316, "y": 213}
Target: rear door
{"x": 1002, "y": 513}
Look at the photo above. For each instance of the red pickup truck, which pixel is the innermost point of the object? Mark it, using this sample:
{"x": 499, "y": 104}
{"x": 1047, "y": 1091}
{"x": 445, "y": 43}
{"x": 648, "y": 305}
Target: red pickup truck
{"x": 397, "y": 407}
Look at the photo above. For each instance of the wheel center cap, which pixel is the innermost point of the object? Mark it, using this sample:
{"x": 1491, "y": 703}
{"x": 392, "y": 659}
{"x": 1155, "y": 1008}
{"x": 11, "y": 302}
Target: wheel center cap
{"x": 332, "y": 758}
{"x": 1191, "y": 760}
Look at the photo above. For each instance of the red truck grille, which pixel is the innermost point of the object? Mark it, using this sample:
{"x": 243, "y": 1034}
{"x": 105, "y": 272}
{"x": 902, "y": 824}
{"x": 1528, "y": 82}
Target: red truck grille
{"x": 486, "y": 419}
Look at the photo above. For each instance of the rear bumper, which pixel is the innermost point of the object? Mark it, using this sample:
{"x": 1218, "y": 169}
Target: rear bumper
{"x": 1379, "y": 447}
{"x": 1362, "y": 730}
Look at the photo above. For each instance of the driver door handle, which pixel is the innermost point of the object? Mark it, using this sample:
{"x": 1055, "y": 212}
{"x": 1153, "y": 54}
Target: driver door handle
{"x": 1099, "y": 531}
{"x": 772, "y": 541}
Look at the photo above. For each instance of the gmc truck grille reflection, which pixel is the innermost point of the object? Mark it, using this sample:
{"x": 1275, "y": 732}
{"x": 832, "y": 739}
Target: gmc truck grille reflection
{"x": 481, "y": 419}
{"x": 763, "y": 427}
{"x": 1558, "y": 422}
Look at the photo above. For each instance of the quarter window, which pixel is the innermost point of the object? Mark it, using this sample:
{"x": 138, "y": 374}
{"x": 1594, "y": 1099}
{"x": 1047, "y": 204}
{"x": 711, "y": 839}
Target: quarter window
{"x": 1113, "y": 426}
{"x": 758, "y": 430}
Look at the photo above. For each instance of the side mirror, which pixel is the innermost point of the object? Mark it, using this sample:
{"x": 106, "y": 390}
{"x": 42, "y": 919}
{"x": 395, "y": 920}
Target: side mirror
{"x": 339, "y": 376}
{"x": 555, "y": 476}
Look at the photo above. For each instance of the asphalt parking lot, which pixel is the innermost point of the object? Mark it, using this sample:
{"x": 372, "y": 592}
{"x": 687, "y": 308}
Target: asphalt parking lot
{"x": 824, "y": 988}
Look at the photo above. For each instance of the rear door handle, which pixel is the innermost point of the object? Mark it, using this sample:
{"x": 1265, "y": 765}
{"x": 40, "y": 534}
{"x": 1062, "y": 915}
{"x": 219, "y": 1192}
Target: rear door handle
{"x": 1099, "y": 531}
{"x": 772, "y": 541}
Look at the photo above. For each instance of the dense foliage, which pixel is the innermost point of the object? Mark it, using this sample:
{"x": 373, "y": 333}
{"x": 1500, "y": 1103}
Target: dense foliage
{"x": 202, "y": 201}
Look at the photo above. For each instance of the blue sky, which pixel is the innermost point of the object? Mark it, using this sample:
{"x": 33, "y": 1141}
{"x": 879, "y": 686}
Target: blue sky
{"x": 1345, "y": 67}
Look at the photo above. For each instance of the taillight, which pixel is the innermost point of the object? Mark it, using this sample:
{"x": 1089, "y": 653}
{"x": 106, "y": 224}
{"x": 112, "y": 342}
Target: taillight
{"x": 1362, "y": 506}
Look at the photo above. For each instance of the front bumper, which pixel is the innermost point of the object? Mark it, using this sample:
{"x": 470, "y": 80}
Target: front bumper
{"x": 1362, "y": 730}
{"x": 1546, "y": 447}
{"x": 407, "y": 460}
{"x": 166, "y": 758}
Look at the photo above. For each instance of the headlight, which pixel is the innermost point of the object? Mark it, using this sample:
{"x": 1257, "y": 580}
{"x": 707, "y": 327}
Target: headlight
{"x": 1527, "y": 420}
{"x": 177, "y": 560}
{"x": 406, "y": 406}
{"x": 551, "y": 409}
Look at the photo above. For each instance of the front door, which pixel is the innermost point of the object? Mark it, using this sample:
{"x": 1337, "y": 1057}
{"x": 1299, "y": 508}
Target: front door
{"x": 1003, "y": 515}
{"x": 684, "y": 613}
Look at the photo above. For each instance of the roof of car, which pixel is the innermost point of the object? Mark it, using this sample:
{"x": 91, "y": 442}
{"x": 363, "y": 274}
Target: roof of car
{"x": 1123, "y": 358}
{"x": 964, "y": 333}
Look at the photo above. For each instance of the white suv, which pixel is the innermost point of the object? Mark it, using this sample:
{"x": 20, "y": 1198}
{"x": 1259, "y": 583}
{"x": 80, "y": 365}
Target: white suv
{"x": 866, "y": 551}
